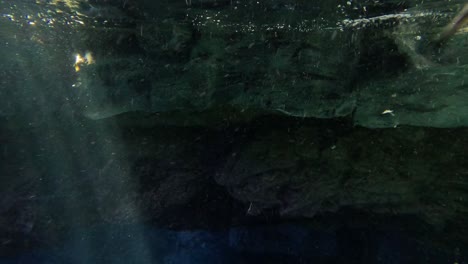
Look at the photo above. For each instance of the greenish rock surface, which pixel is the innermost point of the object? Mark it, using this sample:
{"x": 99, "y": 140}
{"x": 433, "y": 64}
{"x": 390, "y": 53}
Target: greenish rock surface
{"x": 431, "y": 92}
{"x": 322, "y": 60}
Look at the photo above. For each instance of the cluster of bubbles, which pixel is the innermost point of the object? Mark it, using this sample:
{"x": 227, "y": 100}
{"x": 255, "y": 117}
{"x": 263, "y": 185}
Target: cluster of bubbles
{"x": 42, "y": 13}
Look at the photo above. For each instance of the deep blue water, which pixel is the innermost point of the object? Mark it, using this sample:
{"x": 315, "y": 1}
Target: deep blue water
{"x": 254, "y": 244}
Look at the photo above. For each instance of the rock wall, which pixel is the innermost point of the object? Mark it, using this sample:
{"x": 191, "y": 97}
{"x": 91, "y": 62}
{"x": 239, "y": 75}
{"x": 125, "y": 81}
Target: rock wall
{"x": 188, "y": 112}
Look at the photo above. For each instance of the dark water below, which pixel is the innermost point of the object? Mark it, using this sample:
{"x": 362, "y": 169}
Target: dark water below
{"x": 255, "y": 244}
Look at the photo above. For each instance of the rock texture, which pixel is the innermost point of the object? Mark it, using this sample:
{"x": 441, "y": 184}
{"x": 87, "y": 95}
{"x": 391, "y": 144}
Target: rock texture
{"x": 204, "y": 113}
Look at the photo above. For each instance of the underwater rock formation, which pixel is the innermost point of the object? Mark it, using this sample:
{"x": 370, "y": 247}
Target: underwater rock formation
{"x": 203, "y": 113}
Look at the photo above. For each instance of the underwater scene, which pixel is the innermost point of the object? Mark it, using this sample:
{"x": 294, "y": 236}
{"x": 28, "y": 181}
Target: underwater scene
{"x": 233, "y": 131}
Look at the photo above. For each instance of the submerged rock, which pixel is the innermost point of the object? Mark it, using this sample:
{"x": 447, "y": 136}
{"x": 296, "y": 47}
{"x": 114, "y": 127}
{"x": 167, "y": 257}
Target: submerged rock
{"x": 207, "y": 113}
